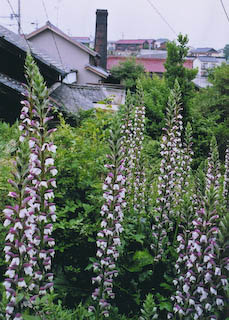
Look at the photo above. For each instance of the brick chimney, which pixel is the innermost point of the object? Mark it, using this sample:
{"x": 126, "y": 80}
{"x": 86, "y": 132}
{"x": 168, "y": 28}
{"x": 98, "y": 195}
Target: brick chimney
{"x": 101, "y": 37}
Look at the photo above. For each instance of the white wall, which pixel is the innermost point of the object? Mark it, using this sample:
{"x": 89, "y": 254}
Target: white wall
{"x": 208, "y": 65}
{"x": 70, "y": 54}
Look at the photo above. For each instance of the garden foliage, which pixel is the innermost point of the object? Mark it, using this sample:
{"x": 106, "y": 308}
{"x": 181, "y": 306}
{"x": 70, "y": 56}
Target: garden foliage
{"x": 139, "y": 232}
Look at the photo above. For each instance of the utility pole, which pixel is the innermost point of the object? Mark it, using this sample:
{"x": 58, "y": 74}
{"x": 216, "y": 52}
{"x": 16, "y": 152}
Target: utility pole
{"x": 15, "y": 16}
{"x": 19, "y": 16}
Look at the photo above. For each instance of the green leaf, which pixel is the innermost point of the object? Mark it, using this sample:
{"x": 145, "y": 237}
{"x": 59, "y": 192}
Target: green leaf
{"x": 166, "y": 286}
{"x": 20, "y": 297}
{"x": 28, "y": 317}
{"x": 139, "y": 237}
{"x": 165, "y": 306}
{"x": 141, "y": 259}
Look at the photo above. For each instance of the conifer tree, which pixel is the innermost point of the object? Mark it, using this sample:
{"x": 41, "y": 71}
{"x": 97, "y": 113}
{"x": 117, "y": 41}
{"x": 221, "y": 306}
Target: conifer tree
{"x": 175, "y": 71}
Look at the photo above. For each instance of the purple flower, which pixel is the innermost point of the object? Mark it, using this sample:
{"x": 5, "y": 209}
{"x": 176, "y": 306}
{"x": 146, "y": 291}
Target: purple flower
{"x": 108, "y": 238}
{"x": 33, "y": 175}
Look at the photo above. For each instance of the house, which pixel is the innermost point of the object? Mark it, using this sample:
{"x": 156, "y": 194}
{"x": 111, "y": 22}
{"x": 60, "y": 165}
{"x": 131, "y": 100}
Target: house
{"x": 205, "y": 63}
{"x": 133, "y": 45}
{"x": 159, "y": 54}
{"x": 74, "y": 97}
{"x": 160, "y": 44}
{"x": 60, "y": 79}
{"x": 13, "y": 49}
{"x": 69, "y": 52}
{"x": 153, "y": 63}
{"x": 111, "y": 47}
{"x": 221, "y": 53}
{"x": 201, "y": 82}
{"x": 203, "y": 52}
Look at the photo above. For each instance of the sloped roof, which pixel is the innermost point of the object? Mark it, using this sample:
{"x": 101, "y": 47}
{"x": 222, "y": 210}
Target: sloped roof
{"x": 208, "y": 59}
{"x": 161, "y": 55}
{"x": 218, "y": 60}
{"x": 11, "y": 83}
{"x": 51, "y": 27}
{"x": 201, "y": 82}
{"x": 98, "y": 70}
{"x": 76, "y": 97}
{"x": 25, "y": 46}
{"x": 162, "y": 40}
{"x": 134, "y": 41}
{"x": 203, "y": 50}
{"x": 82, "y": 39}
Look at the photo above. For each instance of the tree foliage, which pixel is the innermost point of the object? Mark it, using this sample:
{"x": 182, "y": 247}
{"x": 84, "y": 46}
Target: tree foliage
{"x": 127, "y": 72}
{"x": 155, "y": 98}
{"x": 175, "y": 69}
{"x": 226, "y": 51}
{"x": 210, "y": 112}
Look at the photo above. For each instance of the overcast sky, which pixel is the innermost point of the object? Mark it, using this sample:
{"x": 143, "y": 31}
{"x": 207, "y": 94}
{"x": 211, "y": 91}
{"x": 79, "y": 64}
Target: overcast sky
{"x": 204, "y": 21}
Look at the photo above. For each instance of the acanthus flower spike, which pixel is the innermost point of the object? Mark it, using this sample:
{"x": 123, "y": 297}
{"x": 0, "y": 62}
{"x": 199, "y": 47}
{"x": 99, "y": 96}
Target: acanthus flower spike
{"x": 169, "y": 181}
{"x": 30, "y": 217}
{"x": 202, "y": 265}
{"x": 42, "y": 175}
{"x": 108, "y": 238}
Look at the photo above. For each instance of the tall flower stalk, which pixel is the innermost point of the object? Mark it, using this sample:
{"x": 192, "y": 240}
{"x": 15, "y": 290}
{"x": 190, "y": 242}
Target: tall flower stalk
{"x": 127, "y": 128}
{"x": 17, "y": 218}
{"x": 226, "y": 179}
{"x": 42, "y": 175}
{"x": 187, "y": 210}
{"x": 185, "y": 202}
{"x": 29, "y": 270}
{"x": 201, "y": 280}
{"x": 133, "y": 126}
{"x": 169, "y": 181}
{"x": 108, "y": 238}
{"x": 138, "y": 171}
{"x": 224, "y": 235}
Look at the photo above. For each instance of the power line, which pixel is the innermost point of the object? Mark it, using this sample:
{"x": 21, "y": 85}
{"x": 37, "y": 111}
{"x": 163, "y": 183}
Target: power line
{"x": 30, "y": 49}
{"x": 17, "y": 16}
{"x": 221, "y": 1}
{"x": 162, "y": 17}
{"x": 54, "y": 39}
{"x": 18, "y": 23}
{"x": 58, "y": 51}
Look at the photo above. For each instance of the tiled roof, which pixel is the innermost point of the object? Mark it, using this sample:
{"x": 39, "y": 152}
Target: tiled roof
{"x": 133, "y": 41}
{"x": 209, "y": 59}
{"x": 201, "y": 82}
{"x": 82, "y": 39}
{"x": 24, "y": 45}
{"x": 98, "y": 70}
{"x": 11, "y": 83}
{"x": 50, "y": 26}
{"x": 162, "y": 40}
{"x": 161, "y": 55}
{"x": 76, "y": 97}
{"x": 203, "y": 50}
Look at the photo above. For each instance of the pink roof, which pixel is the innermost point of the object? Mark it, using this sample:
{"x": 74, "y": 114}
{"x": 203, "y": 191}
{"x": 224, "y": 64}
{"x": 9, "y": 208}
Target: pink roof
{"x": 133, "y": 41}
{"x": 150, "y": 64}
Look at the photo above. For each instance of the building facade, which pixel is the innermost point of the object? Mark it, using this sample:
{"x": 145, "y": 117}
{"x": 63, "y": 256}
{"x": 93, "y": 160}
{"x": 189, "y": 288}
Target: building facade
{"x": 78, "y": 57}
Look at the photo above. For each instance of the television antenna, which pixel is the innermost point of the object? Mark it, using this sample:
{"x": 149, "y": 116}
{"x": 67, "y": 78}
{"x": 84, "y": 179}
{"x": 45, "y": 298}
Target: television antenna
{"x": 16, "y": 16}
